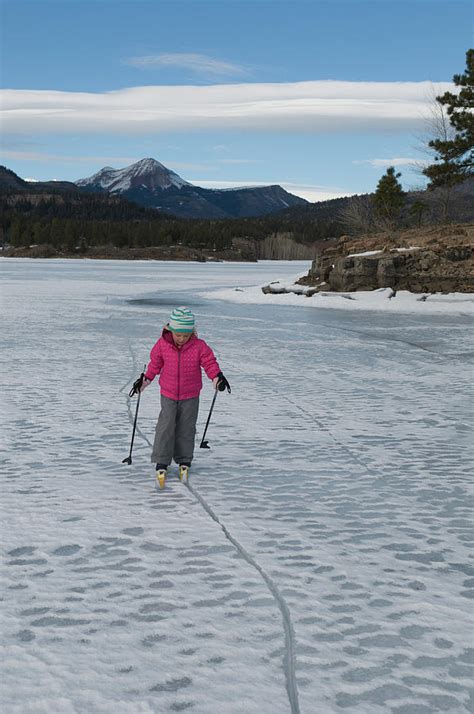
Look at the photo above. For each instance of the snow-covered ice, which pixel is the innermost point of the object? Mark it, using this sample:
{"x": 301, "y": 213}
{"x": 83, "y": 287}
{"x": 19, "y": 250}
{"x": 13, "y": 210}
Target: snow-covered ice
{"x": 381, "y": 299}
{"x": 320, "y": 559}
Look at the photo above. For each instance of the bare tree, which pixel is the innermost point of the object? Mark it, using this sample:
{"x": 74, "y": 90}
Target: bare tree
{"x": 436, "y": 126}
{"x": 282, "y": 246}
{"x": 356, "y": 215}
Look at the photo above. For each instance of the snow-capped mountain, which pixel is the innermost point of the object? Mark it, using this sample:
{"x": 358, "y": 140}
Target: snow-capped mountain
{"x": 151, "y": 184}
{"x": 147, "y": 173}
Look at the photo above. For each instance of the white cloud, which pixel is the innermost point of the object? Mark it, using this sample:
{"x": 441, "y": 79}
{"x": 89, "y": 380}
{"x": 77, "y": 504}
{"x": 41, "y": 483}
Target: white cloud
{"x": 314, "y": 193}
{"x": 21, "y": 155}
{"x": 14, "y": 142}
{"x": 200, "y": 64}
{"x": 307, "y": 191}
{"x": 383, "y": 163}
{"x": 45, "y": 157}
{"x": 312, "y": 107}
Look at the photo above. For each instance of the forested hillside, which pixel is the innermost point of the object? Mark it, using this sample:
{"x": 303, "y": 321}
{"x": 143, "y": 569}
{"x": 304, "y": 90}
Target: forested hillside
{"x": 76, "y": 222}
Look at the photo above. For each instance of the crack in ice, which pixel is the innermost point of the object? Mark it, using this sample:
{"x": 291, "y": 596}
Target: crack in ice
{"x": 289, "y": 657}
{"x": 326, "y": 429}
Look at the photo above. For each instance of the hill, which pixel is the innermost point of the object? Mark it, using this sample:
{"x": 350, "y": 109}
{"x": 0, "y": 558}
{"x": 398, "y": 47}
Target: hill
{"x": 433, "y": 206}
{"x": 58, "y": 218}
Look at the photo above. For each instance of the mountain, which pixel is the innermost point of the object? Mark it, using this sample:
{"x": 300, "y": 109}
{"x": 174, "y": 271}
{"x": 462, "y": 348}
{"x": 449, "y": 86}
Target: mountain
{"x": 151, "y": 184}
{"x": 10, "y": 182}
{"x": 147, "y": 173}
{"x": 65, "y": 200}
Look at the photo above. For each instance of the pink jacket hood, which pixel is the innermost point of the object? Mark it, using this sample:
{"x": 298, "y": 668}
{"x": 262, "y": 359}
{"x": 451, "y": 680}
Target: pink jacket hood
{"x": 180, "y": 369}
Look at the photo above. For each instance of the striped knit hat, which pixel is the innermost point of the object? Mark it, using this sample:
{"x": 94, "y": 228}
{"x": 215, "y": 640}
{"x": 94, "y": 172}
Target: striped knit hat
{"x": 181, "y": 320}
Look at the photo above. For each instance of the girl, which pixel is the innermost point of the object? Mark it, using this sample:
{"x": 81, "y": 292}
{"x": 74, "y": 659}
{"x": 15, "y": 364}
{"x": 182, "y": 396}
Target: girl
{"x": 178, "y": 357}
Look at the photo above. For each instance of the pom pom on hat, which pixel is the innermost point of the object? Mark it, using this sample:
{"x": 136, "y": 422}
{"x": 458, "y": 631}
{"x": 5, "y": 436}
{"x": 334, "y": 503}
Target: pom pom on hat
{"x": 181, "y": 320}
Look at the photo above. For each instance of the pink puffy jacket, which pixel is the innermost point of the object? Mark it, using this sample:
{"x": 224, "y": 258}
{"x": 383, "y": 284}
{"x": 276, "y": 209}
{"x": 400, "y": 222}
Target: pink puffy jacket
{"x": 180, "y": 369}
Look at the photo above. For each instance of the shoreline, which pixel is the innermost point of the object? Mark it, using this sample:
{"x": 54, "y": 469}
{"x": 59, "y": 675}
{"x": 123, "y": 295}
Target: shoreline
{"x": 133, "y": 258}
{"x": 379, "y": 300}
{"x": 288, "y": 292}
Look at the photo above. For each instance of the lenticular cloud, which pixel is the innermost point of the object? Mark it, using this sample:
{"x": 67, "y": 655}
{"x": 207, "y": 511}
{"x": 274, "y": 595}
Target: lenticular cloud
{"x": 313, "y": 107}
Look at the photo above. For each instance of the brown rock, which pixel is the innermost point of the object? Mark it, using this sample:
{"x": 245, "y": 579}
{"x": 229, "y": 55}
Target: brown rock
{"x": 441, "y": 260}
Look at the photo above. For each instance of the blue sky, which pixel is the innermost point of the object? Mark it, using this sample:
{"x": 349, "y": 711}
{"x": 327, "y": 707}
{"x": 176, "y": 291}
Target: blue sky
{"x": 319, "y": 97}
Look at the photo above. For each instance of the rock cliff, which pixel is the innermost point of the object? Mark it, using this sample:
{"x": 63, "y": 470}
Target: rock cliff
{"x": 436, "y": 259}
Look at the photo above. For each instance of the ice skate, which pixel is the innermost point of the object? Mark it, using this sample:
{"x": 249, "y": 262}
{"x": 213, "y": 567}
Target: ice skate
{"x": 183, "y": 472}
{"x": 161, "y": 477}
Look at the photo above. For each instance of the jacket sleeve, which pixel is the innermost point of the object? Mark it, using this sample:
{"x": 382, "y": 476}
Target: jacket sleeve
{"x": 208, "y": 362}
{"x": 156, "y": 362}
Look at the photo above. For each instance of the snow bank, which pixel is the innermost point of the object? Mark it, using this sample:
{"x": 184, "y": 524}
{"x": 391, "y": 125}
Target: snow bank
{"x": 365, "y": 253}
{"x": 383, "y": 299}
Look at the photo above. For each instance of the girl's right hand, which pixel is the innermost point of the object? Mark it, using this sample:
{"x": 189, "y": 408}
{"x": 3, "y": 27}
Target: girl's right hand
{"x": 145, "y": 383}
{"x": 139, "y": 385}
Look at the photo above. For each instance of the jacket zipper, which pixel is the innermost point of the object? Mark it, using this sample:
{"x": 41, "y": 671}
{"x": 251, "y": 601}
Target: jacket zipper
{"x": 179, "y": 364}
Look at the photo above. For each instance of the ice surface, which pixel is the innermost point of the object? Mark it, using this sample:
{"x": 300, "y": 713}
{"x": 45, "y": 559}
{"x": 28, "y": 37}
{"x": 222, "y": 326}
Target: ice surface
{"x": 319, "y": 561}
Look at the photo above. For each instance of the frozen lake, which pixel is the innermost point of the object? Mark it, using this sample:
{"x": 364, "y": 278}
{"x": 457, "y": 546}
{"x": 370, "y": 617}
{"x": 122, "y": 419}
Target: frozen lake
{"x": 318, "y": 562}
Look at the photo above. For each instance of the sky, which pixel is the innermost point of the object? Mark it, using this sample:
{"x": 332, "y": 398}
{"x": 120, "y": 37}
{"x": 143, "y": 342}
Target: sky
{"x": 317, "y": 96}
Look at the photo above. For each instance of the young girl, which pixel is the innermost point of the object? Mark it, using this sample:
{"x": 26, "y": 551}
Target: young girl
{"x": 178, "y": 357}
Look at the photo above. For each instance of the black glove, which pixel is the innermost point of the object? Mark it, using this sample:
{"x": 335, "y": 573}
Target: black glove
{"x": 137, "y": 385}
{"x": 222, "y": 383}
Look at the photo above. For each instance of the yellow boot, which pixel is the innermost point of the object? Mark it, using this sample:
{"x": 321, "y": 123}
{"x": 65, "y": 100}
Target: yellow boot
{"x": 183, "y": 472}
{"x": 161, "y": 477}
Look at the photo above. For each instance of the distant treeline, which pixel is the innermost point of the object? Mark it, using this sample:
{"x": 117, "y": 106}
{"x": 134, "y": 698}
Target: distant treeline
{"x": 76, "y": 222}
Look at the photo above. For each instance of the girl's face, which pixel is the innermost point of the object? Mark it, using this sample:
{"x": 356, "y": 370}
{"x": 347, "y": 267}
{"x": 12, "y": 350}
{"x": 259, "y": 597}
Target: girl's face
{"x": 180, "y": 338}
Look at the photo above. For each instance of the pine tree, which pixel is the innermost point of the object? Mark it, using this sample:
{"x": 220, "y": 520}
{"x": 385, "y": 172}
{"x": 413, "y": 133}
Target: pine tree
{"x": 56, "y": 232}
{"x": 18, "y": 235}
{"x": 417, "y": 209}
{"x": 389, "y": 197}
{"x": 455, "y": 159}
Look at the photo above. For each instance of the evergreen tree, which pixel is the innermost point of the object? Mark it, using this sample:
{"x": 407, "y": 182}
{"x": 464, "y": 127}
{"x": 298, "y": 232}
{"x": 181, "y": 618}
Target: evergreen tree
{"x": 16, "y": 234}
{"x": 39, "y": 233}
{"x": 389, "y": 197}
{"x": 82, "y": 244}
{"x": 455, "y": 159}
{"x": 56, "y": 232}
{"x": 68, "y": 241}
{"x": 417, "y": 209}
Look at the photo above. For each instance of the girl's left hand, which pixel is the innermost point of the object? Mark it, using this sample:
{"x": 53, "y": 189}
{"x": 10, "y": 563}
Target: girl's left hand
{"x": 221, "y": 383}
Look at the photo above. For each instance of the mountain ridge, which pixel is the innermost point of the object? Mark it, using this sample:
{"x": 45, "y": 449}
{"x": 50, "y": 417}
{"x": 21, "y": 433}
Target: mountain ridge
{"x": 120, "y": 180}
{"x": 149, "y": 183}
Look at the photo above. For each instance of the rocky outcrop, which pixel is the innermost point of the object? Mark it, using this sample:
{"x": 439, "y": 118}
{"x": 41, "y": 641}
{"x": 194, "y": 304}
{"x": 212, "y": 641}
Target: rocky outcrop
{"x": 435, "y": 260}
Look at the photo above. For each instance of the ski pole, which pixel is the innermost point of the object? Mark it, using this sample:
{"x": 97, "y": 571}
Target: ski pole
{"x": 128, "y": 460}
{"x": 204, "y": 444}
{"x": 134, "y": 390}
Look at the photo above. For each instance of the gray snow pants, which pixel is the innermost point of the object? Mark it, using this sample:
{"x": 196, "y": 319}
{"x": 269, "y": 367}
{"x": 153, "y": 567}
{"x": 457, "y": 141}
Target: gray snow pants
{"x": 175, "y": 431}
